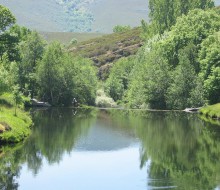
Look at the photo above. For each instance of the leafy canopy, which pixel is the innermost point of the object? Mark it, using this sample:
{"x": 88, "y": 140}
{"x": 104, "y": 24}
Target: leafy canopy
{"x": 6, "y": 19}
{"x": 164, "y": 13}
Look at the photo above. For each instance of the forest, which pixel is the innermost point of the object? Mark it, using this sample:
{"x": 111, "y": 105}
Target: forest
{"x": 177, "y": 66}
{"x": 32, "y": 68}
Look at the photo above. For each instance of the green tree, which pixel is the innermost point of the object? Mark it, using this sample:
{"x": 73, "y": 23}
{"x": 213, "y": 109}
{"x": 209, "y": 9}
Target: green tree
{"x": 119, "y": 28}
{"x": 209, "y": 55}
{"x": 164, "y": 13}
{"x": 183, "y": 81}
{"x": 8, "y": 74}
{"x": 3, "y": 79}
{"x": 117, "y": 83}
{"x": 9, "y": 45}
{"x": 31, "y": 53}
{"x": 85, "y": 80}
{"x": 7, "y": 19}
{"x": 161, "y": 14}
{"x": 186, "y": 89}
{"x": 17, "y": 96}
{"x": 170, "y": 69}
{"x": 212, "y": 86}
{"x": 156, "y": 79}
{"x": 49, "y": 73}
{"x": 9, "y": 42}
{"x": 135, "y": 95}
{"x": 62, "y": 77}
{"x": 192, "y": 28}
{"x": 74, "y": 41}
{"x": 150, "y": 80}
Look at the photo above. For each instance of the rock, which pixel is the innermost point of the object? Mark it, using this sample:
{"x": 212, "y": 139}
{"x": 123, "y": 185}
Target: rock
{"x": 191, "y": 109}
{"x": 4, "y": 127}
{"x": 39, "y": 104}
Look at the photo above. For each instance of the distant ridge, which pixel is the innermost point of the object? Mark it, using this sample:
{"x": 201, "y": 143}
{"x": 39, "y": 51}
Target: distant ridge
{"x": 66, "y": 37}
{"x": 77, "y": 15}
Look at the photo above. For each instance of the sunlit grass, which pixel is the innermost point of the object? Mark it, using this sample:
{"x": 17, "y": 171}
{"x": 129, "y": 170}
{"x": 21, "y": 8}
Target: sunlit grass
{"x": 211, "y": 111}
{"x": 19, "y": 124}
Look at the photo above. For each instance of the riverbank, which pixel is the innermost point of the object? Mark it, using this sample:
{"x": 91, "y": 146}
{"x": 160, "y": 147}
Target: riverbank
{"x": 212, "y": 111}
{"x": 13, "y": 128}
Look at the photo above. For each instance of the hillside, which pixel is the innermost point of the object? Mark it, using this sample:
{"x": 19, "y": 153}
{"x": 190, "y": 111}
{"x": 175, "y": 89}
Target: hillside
{"x": 77, "y": 15}
{"x": 66, "y": 37}
{"x": 104, "y": 51}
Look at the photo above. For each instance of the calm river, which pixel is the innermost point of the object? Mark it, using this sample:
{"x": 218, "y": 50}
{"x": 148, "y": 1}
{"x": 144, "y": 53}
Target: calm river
{"x": 114, "y": 150}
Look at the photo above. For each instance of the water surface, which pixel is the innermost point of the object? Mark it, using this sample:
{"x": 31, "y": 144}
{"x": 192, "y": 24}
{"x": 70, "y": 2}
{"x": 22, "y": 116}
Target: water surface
{"x": 114, "y": 149}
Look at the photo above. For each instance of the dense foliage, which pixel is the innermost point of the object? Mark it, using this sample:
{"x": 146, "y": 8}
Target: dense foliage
{"x": 42, "y": 71}
{"x": 117, "y": 82}
{"x": 164, "y": 13}
{"x": 7, "y": 19}
{"x": 62, "y": 78}
{"x": 176, "y": 69}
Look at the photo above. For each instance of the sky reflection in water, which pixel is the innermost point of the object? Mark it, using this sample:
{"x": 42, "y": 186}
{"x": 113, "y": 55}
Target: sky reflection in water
{"x": 117, "y": 150}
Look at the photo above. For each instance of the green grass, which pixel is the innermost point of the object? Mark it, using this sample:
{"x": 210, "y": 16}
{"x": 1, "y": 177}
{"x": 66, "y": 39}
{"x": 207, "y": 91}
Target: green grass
{"x": 19, "y": 125}
{"x": 212, "y": 111}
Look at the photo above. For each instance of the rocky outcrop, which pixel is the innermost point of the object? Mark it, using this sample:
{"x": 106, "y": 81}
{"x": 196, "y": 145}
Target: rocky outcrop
{"x": 4, "y": 127}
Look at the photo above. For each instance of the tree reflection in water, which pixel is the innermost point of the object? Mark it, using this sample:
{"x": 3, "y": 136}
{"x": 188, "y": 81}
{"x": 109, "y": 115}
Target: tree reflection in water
{"x": 55, "y": 132}
{"x": 10, "y": 161}
{"x": 183, "y": 151}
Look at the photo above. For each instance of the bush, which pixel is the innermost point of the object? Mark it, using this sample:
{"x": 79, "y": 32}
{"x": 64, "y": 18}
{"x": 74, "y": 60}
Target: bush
{"x": 103, "y": 101}
{"x": 74, "y": 41}
{"x": 118, "y": 28}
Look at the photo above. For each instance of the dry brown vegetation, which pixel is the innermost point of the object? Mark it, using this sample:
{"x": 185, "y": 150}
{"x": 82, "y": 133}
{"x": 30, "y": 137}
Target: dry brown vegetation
{"x": 105, "y": 50}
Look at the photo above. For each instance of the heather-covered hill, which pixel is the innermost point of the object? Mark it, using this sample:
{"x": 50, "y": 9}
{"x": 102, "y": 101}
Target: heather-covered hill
{"x": 106, "y": 50}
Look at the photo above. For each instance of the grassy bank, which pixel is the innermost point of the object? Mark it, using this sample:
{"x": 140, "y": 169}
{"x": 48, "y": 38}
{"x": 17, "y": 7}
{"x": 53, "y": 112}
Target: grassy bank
{"x": 212, "y": 111}
{"x": 13, "y": 128}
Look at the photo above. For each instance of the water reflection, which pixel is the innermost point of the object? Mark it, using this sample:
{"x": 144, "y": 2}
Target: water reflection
{"x": 107, "y": 134}
{"x": 55, "y": 133}
{"x": 145, "y": 150}
{"x": 10, "y": 165}
{"x": 183, "y": 150}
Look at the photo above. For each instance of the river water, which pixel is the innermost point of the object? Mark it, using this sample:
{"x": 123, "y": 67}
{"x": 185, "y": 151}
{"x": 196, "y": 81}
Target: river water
{"x": 114, "y": 150}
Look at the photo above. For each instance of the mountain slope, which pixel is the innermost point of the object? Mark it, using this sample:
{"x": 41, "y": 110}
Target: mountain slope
{"x": 77, "y": 15}
{"x": 105, "y": 50}
{"x": 66, "y": 37}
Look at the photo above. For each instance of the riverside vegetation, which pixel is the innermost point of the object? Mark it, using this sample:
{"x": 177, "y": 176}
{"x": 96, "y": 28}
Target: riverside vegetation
{"x": 176, "y": 67}
{"x": 29, "y": 67}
